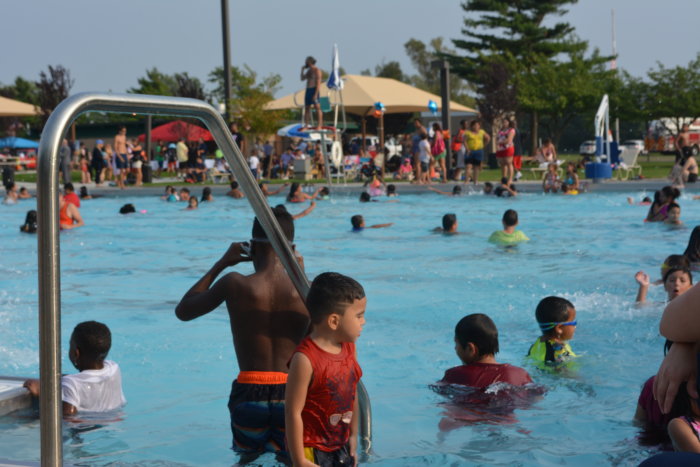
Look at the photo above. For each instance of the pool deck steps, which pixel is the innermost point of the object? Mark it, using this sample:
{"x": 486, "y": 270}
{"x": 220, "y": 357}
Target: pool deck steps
{"x": 13, "y": 396}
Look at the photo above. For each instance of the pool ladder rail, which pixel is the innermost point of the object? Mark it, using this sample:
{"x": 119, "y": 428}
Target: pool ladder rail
{"x": 48, "y": 237}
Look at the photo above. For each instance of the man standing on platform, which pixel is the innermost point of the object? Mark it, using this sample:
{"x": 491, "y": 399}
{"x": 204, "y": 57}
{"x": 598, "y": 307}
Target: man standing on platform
{"x": 312, "y": 75}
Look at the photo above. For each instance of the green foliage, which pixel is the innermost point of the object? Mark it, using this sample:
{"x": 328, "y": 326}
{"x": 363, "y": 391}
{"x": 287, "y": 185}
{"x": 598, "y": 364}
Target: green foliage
{"x": 390, "y": 70}
{"x": 155, "y": 83}
{"x": 24, "y": 91}
{"x": 53, "y": 87}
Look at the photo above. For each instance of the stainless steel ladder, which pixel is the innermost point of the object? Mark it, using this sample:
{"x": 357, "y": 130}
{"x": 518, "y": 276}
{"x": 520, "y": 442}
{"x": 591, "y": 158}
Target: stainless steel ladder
{"x": 49, "y": 253}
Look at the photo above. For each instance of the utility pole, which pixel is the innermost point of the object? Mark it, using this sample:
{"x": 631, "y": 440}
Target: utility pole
{"x": 444, "y": 67}
{"x": 227, "y": 61}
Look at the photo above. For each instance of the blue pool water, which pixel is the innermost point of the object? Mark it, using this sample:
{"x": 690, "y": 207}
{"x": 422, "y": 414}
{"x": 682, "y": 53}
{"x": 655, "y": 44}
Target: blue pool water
{"x": 130, "y": 272}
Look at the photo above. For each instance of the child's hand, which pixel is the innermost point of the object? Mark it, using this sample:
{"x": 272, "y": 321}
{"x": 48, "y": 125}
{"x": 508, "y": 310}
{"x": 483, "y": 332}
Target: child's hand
{"x": 236, "y": 253}
{"x": 642, "y": 278}
{"x": 33, "y": 386}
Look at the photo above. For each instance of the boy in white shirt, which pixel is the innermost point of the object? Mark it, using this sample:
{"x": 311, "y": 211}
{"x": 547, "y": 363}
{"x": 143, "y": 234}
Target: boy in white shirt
{"x": 98, "y": 386}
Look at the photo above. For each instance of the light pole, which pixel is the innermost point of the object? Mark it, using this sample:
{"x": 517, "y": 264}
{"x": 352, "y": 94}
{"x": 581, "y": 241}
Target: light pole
{"x": 227, "y": 61}
{"x": 444, "y": 67}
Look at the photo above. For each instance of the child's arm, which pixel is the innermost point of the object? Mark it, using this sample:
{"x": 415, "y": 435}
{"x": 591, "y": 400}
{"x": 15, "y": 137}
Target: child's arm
{"x": 643, "y": 280}
{"x": 684, "y": 440}
{"x": 33, "y": 387}
{"x": 305, "y": 211}
{"x": 298, "y": 381}
{"x": 438, "y": 191}
{"x": 354, "y": 429}
{"x": 380, "y": 226}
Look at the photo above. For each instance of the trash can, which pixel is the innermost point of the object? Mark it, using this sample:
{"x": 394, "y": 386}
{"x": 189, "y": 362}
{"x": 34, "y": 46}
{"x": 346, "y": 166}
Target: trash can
{"x": 492, "y": 161}
{"x": 8, "y": 175}
{"x": 147, "y": 173}
{"x": 302, "y": 169}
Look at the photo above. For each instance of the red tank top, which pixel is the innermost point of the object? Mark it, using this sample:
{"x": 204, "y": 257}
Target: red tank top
{"x": 63, "y": 217}
{"x": 330, "y": 399}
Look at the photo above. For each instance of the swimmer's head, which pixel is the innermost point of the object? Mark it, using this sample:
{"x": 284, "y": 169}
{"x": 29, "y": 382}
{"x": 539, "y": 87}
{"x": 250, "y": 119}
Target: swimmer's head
{"x": 476, "y": 336}
{"x": 488, "y": 188}
{"x": 83, "y": 191}
{"x": 646, "y": 200}
{"x": 284, "y": 219}
{"x": 556, "y": 317}
{"x": 68, "y": 187}
{"x": 127, "y": 209}
{"x": 674, "y": 212}
{"x": 674, "y": 261}
{"x": 206, "y": 193}
{"x": 510, "y": 218}
{"x": 23, "y": 190}
{"x": 504, "y": 181}
{"x": 677, "y": 281}
{"x": 357, "y": 221}
{"x": 669, "y": 194}
{"x": 293, "y": 189}
{"x": 457, "y": 190}
{"x": 89, "y": 344}
{"x": 325, "y": 191}
{"x": 692, "y": 251}
{"x": 391, "y": 189}
{"x": 234, "y": 185}
{"x": 192, "y": 203}
{"x": 449, "y": 222}
{"x": 331, "y": 294}
{"x": 30, "y": 222}
{"x": 364, "y": 197}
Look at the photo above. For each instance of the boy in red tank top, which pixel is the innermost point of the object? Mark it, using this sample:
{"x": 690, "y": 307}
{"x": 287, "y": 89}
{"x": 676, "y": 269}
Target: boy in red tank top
{"x": 321, "y": 407}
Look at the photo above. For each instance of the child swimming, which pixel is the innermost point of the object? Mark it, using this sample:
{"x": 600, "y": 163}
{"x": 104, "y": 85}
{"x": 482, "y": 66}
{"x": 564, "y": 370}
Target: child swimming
{"x": 674, "y": 215}
{"x": 449, "y": 225}
{"x": 509, "y": 235}
{"x": 358, "y": 224}
{"x": 676, "y": 280}
{"x": 556, "y": 318}
{"x": 476, "y": 345}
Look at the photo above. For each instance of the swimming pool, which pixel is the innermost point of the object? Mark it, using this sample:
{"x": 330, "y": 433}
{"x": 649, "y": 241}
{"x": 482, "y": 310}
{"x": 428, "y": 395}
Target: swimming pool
{"x": 131, "y": 271}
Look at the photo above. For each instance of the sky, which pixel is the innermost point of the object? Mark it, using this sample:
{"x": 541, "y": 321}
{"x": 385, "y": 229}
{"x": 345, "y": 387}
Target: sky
{"x": 107, "y": 46}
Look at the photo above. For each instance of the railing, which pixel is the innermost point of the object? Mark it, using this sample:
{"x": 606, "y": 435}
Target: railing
{"x": 49, "y": 255}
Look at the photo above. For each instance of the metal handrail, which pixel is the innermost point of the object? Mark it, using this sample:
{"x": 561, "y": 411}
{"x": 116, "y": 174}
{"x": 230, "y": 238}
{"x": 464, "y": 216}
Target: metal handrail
{"x": 49, "y": 254}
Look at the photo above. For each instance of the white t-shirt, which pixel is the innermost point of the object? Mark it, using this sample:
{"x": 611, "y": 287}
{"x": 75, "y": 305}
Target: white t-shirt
{"x": 94, "y": 390}
{"x": 424, "y": 148}
{"x": 253, "y": 162}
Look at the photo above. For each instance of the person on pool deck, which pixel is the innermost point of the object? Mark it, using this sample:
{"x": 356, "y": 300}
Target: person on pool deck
{"x": 509, "y": 235}
{"x": 358, "y": 224}
{"x": 121, "y": 156}
{"x": 235, "y": 192}
{"x": 98, "y": 386}
{"x": 312, "y": 74}
{"x": 68, "y": 215}
{"x": 556, "y": 317}
{"x": 449, "y": 225}
{"x": 268, "y": 320}
{"x": 476, "y": 345}
{"x": 321, "y": 404}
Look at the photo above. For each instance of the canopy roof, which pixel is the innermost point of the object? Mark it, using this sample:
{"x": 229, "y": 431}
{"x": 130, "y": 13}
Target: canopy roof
{"x": 173, "y": 131}
{"x": 13, "y": 108}
{"x": 361, "y": 92}
{"x": 14, "y": 142}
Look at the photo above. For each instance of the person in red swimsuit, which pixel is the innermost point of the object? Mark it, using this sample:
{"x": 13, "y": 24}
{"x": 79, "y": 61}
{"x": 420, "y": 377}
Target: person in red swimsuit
{"x": 476, "y": 344}
{"x": 321, "y": 407}
{"x": 69, "y": 216}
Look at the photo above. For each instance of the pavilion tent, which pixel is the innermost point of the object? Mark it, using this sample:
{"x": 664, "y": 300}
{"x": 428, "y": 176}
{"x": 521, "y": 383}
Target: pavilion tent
{"x": 13, "y": 108}
{"x": 361, "y": 92}
{"x": 14, "y": 142}
{"x": 173, "y": 131}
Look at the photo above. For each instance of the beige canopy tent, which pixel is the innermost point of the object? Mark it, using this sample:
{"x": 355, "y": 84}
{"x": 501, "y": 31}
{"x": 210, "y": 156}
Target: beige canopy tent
{"x": 361, "y": 92}
{"x": 13, "y": 108}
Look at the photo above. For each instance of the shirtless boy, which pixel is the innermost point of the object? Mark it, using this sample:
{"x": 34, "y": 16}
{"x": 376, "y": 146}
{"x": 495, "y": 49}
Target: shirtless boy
{"x": 268, "y": 320}
{"x": 312, "y": 75}
{"x": 120, "y": 154}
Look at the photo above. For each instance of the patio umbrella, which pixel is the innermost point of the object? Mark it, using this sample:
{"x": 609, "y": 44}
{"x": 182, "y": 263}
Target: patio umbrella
{"x": 173, "y": 131}
{"x": 14, "y": 142}
{"x": 13, "y": 108}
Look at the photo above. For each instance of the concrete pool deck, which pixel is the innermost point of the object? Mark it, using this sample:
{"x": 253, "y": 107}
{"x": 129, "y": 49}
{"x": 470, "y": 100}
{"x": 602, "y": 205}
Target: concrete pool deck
{"x": 525, "y": 186}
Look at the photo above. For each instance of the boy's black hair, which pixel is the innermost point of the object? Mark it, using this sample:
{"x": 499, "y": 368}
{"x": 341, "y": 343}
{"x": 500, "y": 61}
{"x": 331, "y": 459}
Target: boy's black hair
{"x": 677, "y": 261}
{"x": 504, "y": 180}
{"x": 292, "y": 189}
{"x": 488, "y": 187}
{"x": 127, "y": 209}
{"x": 692, "y": 251}
{"x": 364, "y": 197}
{"x": 331, "y": 293}
{"x": 480, "y": 330}
{"x": 457, "y": 190}
{"x": 93, "y": 340}
{"x": 646, "y": 200}
{"x": 553, "y": 310}
{"x": 68, "y": 186}
{"x": 83, "y": 191}
{"x": 205, "y": 193}
{"x": 325, "y": 191}
{"x": 671, "y": 270}
{"x": 510, "y": 218}
{"x": 234, "y": 185}
{"x": 30, "y": 222}
{"x": 390, "y": 188}
{"x": 185, "y": 190}
{"x": 448, "y": 220}
{"x": 671, "y": 192}
{"x": 284, "y": 219}
{"x": 356, "y": 221}
{"x": 673, "y": 205}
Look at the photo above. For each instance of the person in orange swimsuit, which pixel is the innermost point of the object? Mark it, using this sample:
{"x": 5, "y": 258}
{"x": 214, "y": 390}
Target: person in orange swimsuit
{"x": 69, "y": 216}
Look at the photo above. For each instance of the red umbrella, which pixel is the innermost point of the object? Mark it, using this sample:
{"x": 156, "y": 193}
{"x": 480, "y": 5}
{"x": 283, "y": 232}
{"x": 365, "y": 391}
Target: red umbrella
{"x": 173, "y": 131}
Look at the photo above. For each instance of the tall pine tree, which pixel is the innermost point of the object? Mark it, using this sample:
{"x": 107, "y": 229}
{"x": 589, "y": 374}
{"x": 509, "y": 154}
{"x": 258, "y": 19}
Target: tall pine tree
{"x": 517, "y": 32}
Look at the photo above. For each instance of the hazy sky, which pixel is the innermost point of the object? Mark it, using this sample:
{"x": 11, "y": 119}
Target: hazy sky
{"x": 108, "y": 45}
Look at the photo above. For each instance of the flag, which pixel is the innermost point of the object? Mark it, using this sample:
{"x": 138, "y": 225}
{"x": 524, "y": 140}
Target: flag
{"x": 334, "y": 81}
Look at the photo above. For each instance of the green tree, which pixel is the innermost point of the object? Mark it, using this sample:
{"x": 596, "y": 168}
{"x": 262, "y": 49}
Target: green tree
{"x": 390, "y": 70}
{"x": 25, "y": 91}
{"x": 155, "y": 83}
{"x": 53, "y": 87}
{"x": 523, "y": 32}
{"x": 187, "y": 86}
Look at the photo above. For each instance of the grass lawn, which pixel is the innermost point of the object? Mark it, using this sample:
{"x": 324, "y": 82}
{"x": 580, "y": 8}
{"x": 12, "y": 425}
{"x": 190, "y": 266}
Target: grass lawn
{"x": 654, "y": 165}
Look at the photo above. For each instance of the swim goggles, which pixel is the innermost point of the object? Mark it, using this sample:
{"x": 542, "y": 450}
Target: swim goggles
{"x": 550, "y": 326}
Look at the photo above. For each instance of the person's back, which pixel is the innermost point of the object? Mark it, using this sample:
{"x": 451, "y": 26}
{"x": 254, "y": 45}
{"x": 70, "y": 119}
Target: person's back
{"x": 268, "y": 319}
{"x": 509, "y": 235}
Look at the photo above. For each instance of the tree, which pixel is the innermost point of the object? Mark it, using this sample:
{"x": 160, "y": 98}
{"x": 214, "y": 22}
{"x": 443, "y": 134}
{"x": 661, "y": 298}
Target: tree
{"x": 390, "y": 70}
{"x": 674, "y": 94}
{"x": 422, "y": 56}
{"x": 155, "y": 83}
{"x": 53, "y": 87}
{"x": 25, "y": 91}
{"x": 519, "y": 31}
{"x": 495, "y": 91}
{"x": 187, "y": 86}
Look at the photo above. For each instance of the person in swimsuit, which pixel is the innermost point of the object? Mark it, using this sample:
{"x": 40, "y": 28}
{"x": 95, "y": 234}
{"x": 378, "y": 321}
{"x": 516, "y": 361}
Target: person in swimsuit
{"x": 69, "y": 216}
{"x": 312, "y": 75}
{"x": 439, "y": 151}
{"x": 268, "y": 320}
{"x": 683, "y": 143}
{"x": 506, "y": 150}
{"x": 684, "y": 431}
{"x": 551, "y": 182}
{"x": 358, "y": 224}
{"x": 121, "y": 157}
{"x": 571, "y": 178}
{"x": 663, "y": 198}
{"x": 556, "y": 317}
{"x": 296, "y": 195}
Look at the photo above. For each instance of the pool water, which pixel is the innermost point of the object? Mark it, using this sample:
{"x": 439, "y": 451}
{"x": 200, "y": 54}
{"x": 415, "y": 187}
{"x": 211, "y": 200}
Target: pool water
{"x": 131, "y": 271}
